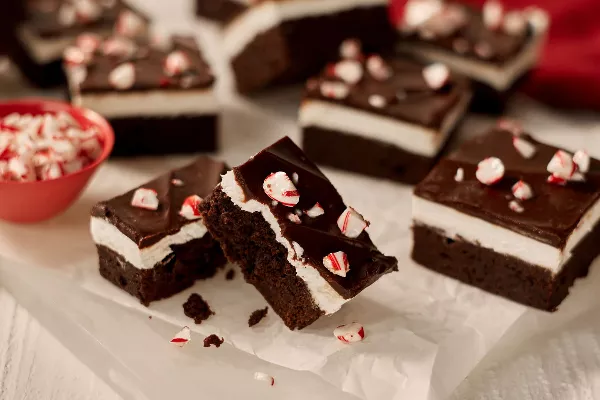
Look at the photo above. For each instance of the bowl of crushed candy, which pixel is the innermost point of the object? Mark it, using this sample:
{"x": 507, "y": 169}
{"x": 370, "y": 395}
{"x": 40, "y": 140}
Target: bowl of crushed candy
{"x": 49, "y": 151}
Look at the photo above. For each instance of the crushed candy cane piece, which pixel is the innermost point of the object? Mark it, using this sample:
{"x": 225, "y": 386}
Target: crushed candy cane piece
{"x": 261, "y": 376}
{"x": 561, "y": 165}
{"x": 337, "y": 263}
{"x": 190, "y": 209}
{"x": 279, "y": 187}
{"x": 493, "y": 13}
{"x": 417, "y": 12}
{"x": 67, "y": 15}
{"x": 582, "y": 159}
{"x": 294, "y": 218}
{"x": 556, "y": 180}
{"x": 377, "y": 101}
{"x": 176, "y": 182}
{"x": 436, "y": 75}
{"x": 460, "y": 175}
{"x": 378, "y": 68}
{"x": 87, "y": 10}
{"x": 315, "y": 211}
{"x": 122, "y": 77}
{"x": 295, "y": 178}
{"x": 510, "y": 125}
{"x": 524, "y": 147}
{"x": 490, "y": 171}
{"x": 350, "y": 71}
{"x": 350, "y": 333}
{"x": 182, "y": 337}
{"x": 522, "y": 190}
{"x": 350, "y": 49}
{"x": 88, "y": 42}
{"x": 514, "y": 23}
{"x": 516, "y": 206}
{"x": 351, "y": 223}
{"x": 145, "y": 198}
{"x": 335, "y": 90}
{"x": 176, "y": 63}
{"x": 577, "y": 177}
{"x": 118, "y": 47}
{"x": 75, "y": 56}
{"x": 130, "y": 24}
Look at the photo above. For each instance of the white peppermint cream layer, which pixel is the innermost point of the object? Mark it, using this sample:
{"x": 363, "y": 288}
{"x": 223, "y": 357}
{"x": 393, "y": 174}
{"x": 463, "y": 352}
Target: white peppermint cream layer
{"x": 324, "y": 296}
{"x": 269, "y": 14}
{"x": 106, "y": 234}
{"x": 460, "y": 226}
{"x": 411, "y": 137}
{"x": 153, "y": 103}
{"x": 500, "y": 77}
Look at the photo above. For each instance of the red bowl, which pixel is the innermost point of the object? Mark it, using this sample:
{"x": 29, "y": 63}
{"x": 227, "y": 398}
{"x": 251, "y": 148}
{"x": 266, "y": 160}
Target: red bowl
{"x": 41, "y": 200}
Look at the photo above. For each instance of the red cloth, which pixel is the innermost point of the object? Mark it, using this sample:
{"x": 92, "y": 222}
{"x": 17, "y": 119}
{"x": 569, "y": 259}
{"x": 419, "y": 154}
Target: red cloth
{"x": 568, "y": 74}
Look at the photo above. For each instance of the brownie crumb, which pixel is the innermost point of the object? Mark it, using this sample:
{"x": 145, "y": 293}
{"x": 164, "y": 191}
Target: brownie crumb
{"x": 149, "y": 316}
{"x": 257, "y": 316}
{"x": 213, "y": 340}
{"x": 230, "y": 275}
{"x": 196, "y": 308}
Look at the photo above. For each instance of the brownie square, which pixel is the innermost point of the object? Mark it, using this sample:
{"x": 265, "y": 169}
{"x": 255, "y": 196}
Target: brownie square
{"x": 381, "y": 115}
{"x": 494, "y": 46}
{"x": 157, "y": 94}
{"x": 285, "y": 224}
{"x": 153, "y": 254}
{"x": 526, "y": 233}
{"x": 285, "y": 41}
{"x": 50, "y": 26}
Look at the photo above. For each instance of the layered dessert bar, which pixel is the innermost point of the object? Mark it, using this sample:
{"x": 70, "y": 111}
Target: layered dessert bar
{"x": 50, "y": 26}
{"x": 385, "y": 117}
{"x": 297, "y": 242}
{"x": 151, "y": 241}
{"x": 156, "y": 93}
{"x": 282, "y": 41}
{"x": 495, "y": 46}
{"x": 510, "y": 215}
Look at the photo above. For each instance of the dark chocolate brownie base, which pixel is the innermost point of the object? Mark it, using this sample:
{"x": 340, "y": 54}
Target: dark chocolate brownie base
{"x": 488, "y": 100}
{"x": 364, "y": 156}
{"x": 298, "y": 49}
{"x": 198, "y": 259}
{"x": 247, "y": 239}
{"x": 46, "y": 75}
{"x": 183, "y": 134}
{"x": 500, "y": 274}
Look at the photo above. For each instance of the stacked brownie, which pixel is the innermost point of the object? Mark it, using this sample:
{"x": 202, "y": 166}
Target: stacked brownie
{"x": 495, "y": 46}
{"x": 510, "y": 215}
{"x": 157, "y": 92}
{"x": 295, "y": 239}
{"x": 279, "y": 41}
{"x": 151, "y": 241}
{"x": 50, "y": 26}
{"x": 385, "y": 117}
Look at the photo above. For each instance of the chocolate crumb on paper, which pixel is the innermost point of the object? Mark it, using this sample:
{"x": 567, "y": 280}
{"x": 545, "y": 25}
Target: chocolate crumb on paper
{"x": 257, "y": 316}
{"x": 213, "y": 340}
{"x": 196, "y": 308}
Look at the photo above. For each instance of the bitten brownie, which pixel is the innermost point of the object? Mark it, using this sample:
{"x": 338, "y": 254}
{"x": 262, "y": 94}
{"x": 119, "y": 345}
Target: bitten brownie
{"x": 394, "y": 115}
{"x": 297, "y": 242}
{"x": 157, "y": 95}
{"x": 151, "y": 241}
{"x": 272, "y": 42}
{"x": 50, "y": 26}
{"x": 510, "y": 215}
{"x": 495, "y": 46}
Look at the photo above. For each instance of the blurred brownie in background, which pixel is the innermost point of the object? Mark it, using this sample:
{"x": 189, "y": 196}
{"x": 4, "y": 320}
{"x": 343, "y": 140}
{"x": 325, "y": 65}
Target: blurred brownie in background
{"x": 383, "y": 117}
{"x": 50, "y": 26}
{"x": 495, "y": 46}
{"x": 284, "y": 41}
{"x": 156, "y": 93}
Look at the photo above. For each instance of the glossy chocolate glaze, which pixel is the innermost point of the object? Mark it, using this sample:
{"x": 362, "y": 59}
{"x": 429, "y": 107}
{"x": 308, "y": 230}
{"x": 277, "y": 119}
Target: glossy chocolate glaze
{"x": 43, "y": 17}
{"x": 147, "y": 227}
{"x": 550, "y": 216}
{"x": 318, "y": 236}
{"x": 503, "y": 46}
{"x": 148, "y": 62}
{"x": 406, "y": 93}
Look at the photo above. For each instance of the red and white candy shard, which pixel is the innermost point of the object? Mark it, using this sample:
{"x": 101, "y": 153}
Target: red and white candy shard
{"x": 75, "y": 56}
{"x": 88, "y": 10}
{"x": 176, "y": 182}
{"x": 337, "y": 263}
{"x": 436, "y": 75}
{"x": 493, "y": 13}
{"x": 335, "y": 90}
{"x": 145, "y": 198}
{"x": 350, "y": 49}
{"x": 561, "y": 165}
{"x": 122, "y": 77}
{"x": 294, "y": 218}
{"x": 315, "y": 211}
{"x": 515, "y": 23}
{"x": 378, "y": 68}
{"x": 524, "y": 147}
{"x": 261, "y": 376}
{"x": 490, "y": 171}
{"x": 577, "y": 177}
{"x": 350, "y": 333}
{"x": 190, "y": 208}
{"x": 511, "y": 126}
{"x": 118, "y": 47}
{"x": 67, "y": 15}
{"x": 88, "y": 42}
{"x": 279, "y": 187}
{"x": 555, "y": 180}
{"x": 349, "y": 71}
{"x": 417, "y": 12}
{"x": 51, "y": 171}
{"x": 522, "y": 191}
{"x": 515, "y": 206}
{"x": 377, "y": 101}
{"x": 130, "y": 24}
{"x": 182, "y": 337}
{"x": 295, "y": 178}
{"x": 460, "y": 175}
{"x": 20, "y": 169}
{"x": 582, "y": 159}
{"x": 351, "y": 223}
{"x": 483, "y": 50}
{"x": 176, "y": 63}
